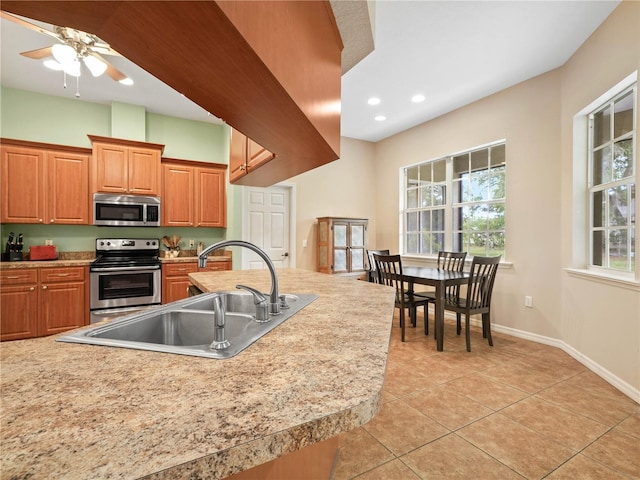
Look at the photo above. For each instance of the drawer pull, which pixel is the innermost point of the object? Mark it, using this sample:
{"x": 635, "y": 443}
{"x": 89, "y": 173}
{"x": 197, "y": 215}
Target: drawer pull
{"x": 62, "y": 274}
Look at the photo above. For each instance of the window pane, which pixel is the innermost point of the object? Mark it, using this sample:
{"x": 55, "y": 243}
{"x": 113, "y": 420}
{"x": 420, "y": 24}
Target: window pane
{"x": 340, "y": 235}
{"x": 425, "y": 197}
{"x": 461, "y": 164}
{"x": 497, "y": 155}
{"x": 495, "y": 213}
{"x": 480, "y": 160}
{"x": 478, "y": 217}
{"x": 622, "y": 159}
{"x": 496, "y": 244}
{"x": 599, "y": 209}
{"x": 602, "y": 127}
{"x": 412, "y": 198}
{"x": 439, "y": 194}
{"x": 438, "y": 242}
{"x": 357, "y": 259}
{"x": 457, "y": 218}
{"x": 438, "y": 219}
{"x": 480, "y": 185}
{"x": 466, "y": 192}
{"x": 425, "y": 246}
{"x": 439, "y": 171}
{"x": 618, "y": 249}
{"x": 602, "y": 166}
{"x": 412, "y": 221}
{"x": 425, "y": 173}
{"x": 425, "y": 220}
{"x": 412, "y": 177}
{"x": 496, "y": 184}
{"x": 412, "y": 243}
{"x": 632, "y": 242}
{"x": 599, "y": 248}
{"x": 618, "y": 205}
{"x": 623, "y": 115}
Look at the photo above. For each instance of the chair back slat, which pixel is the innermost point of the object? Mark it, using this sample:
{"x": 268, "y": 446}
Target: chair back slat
{"x": 389, "y": 269}
{"x": 481, "y": 279}
{"x": 451, "y": 261}
{"x": 373, "y": 271}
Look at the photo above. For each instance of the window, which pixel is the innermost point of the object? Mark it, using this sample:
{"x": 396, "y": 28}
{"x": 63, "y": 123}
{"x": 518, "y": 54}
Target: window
{"x": 456, "y": 203}
{"x": 612, "y": 187}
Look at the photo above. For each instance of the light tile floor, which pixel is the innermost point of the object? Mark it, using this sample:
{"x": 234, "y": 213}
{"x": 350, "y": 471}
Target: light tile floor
{"x": 516, "y": 410}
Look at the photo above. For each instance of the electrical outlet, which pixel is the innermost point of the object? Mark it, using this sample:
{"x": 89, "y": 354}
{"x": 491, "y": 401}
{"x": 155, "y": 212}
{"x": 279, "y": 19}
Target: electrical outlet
{"x": 48, "y": 242}
{"x": 304, "y": 243}
{"x": 528, "y": 301}
{"x": 191, "y": 243}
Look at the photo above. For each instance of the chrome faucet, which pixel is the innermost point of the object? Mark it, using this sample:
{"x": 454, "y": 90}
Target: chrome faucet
{"x": 274, "y": 300}
{"x": 219, "y": 340}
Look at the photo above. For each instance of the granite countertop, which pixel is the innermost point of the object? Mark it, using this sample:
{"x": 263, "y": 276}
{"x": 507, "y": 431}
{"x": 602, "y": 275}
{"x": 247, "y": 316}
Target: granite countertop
{"x": 81, "y": 259}
{"x": 83, "y": 411}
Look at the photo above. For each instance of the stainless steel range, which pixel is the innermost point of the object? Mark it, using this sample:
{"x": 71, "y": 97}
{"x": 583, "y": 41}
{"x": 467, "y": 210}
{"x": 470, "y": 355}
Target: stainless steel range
{"x": 125, "y": 276}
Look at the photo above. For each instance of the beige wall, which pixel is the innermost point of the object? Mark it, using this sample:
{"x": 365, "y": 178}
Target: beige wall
{"x": 597, "y": 322}
{"x": 343, "y": 188}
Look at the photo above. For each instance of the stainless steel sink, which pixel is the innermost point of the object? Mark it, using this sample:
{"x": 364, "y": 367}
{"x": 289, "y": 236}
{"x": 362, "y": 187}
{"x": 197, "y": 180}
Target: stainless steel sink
{"x": 186, "y": 327}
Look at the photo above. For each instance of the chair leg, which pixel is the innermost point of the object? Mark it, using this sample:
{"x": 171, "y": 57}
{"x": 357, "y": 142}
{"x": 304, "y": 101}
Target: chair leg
{"x": 486, "y": 325}
{"x": 426, "y": 318}
{"x": 402, "y": 322}
{"x": 414, "y": 317}
{"x": 467, "y": 332}
{"x": 458, "y": 323}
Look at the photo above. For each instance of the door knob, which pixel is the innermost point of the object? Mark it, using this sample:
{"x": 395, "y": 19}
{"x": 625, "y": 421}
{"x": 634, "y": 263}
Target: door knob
{"x": 285, "y": 254}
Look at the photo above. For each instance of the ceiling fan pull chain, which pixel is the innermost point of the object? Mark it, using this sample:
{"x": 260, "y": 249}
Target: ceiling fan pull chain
{"x": 64, "y": 81}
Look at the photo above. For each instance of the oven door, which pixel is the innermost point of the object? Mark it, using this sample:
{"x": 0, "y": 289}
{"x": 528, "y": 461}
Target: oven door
{"x": 125, "y": 287}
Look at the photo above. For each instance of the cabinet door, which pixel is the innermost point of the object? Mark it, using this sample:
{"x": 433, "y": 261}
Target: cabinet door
{"x": 62, "y": 307}
{"x": 23, "y": 193}
{"x": 68, "y": 188}
{"x": 211, "y": 197}
{"x": 144, "y": 171}
{"x": 237, "y": 155}
{"x": 257, "y": 155}
{"x": 110, "y": 168}
{"x": 177, "y": 195}
{"x": 357, "y": 246}
{"x": 18, "y": 312}
{"x": 175, "y": 280}
{"x": 340, "y": 247}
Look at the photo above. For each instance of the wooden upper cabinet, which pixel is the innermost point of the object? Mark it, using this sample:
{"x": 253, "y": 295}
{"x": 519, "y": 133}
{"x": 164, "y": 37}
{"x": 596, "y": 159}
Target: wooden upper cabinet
{"x": 194, "y": 194}
{"x": 126, "y": 166}
{"x": 245, "y": 155}
{"x": 43, "y": 185}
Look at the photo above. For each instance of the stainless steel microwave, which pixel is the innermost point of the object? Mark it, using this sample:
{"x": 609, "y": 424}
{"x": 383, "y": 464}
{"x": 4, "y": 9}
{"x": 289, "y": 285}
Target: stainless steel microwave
{"x": 126, "y": 210}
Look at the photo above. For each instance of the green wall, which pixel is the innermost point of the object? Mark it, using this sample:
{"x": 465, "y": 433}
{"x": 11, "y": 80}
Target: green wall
{"x": 43, "y": 118}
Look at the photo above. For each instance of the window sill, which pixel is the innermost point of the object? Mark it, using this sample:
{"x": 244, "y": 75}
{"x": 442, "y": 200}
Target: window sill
{"x": 607, "y": 279}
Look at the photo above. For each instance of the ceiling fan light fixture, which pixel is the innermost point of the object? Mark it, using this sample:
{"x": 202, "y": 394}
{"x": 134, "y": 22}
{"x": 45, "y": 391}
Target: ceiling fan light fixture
{"x": 95, "y": 66}
{"x": 72, "y": 69}
{"x": 64, "y": 54}
{"x": 53, "y": 65}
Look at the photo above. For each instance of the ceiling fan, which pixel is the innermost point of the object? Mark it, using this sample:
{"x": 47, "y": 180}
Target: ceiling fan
{"x": 75, "y": 47}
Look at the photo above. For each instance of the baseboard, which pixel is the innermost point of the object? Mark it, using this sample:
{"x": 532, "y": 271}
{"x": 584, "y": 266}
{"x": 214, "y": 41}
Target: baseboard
{"x": 618, "y": 383}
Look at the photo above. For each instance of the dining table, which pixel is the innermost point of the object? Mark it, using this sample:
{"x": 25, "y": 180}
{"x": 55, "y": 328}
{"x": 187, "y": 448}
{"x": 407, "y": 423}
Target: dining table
{"x": 440, "y": 279}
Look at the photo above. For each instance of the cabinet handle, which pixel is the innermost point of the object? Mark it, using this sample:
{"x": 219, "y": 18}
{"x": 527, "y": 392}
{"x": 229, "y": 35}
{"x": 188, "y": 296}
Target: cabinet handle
{"x": 62, "y": 275}
{"x": 52, "y": 221}
{"x": 12, "y": 278}
{"x": 40, "y": 220}
{"x": 32, "y": 289}
{"x": 44, "y": 287}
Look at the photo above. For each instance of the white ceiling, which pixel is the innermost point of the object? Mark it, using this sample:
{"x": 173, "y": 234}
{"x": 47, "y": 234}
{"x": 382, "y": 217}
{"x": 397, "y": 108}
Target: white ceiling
{"x": 453, "y": 52}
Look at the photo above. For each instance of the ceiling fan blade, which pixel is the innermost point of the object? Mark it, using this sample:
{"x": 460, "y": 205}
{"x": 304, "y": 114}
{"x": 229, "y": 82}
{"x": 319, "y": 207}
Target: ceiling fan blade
{"x": 39, "y": 53}
{"x": 28, "y": 25}
{"x": 112, "y": 71}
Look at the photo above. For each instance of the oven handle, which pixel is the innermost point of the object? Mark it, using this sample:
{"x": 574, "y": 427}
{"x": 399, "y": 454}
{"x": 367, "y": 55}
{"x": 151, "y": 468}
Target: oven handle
{"x": 122, "y": 269}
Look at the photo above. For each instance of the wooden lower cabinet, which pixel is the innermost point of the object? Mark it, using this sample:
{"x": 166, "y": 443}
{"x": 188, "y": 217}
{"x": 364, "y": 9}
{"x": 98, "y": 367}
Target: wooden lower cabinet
{"x": 36, "y": 302}
{"x": 175, "y": 277}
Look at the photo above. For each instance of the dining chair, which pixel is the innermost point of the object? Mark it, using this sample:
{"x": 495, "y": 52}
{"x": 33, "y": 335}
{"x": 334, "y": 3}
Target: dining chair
{"x": 452, "y": 261}
{"x": 478, "y": 298}
{"x": 389, "y": 268}
{"x": 372, "y": 272}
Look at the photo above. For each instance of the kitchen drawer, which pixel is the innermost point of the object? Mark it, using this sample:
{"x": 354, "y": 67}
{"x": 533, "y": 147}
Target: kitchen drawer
{"x": 15, "y": 276}
{"x": 179, "y": 269}
{"x": 216, "y": 266}
{"x": 66, "y": 274}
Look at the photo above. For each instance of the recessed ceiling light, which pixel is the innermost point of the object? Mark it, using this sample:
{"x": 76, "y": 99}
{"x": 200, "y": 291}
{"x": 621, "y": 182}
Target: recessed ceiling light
{"x": 373, "y": 101}
{"x": 380, "y": 118}
{"x": 418, "y": 98}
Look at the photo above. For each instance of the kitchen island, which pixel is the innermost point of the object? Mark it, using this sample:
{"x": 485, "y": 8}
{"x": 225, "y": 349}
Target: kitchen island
{"x": 83, "y": 411}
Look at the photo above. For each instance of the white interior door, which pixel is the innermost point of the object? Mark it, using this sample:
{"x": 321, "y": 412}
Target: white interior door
{"x": 267, "y": 213}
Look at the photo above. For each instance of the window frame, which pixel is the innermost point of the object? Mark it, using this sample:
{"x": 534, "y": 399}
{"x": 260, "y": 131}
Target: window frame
{"x": 452, "y": 231}
{"x": 629, "y": 181}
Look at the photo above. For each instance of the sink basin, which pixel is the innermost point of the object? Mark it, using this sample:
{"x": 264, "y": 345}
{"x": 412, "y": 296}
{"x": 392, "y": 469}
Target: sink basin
{"x": 186, "y": 327}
